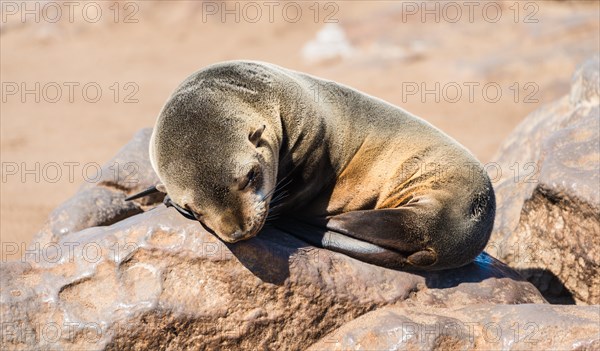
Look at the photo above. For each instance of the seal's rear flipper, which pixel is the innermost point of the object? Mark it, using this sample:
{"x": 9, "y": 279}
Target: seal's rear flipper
{"x": 159, "y": 188}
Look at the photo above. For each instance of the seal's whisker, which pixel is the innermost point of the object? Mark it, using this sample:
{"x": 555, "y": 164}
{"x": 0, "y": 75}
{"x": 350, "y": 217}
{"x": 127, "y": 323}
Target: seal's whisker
{"x": 277, "y": 187}
{"x": 267, "y": 194}
{"x": 277, "y": 199}
{"x": 283, "y": 178}
{"x": 273, "y": 214}
{"x": 286, "y": 177}
{"x": 272, "y": 217}
{"x": 272, "y": 191}
{"x": 280, "y": 184}
{"x": 275, "y": 207}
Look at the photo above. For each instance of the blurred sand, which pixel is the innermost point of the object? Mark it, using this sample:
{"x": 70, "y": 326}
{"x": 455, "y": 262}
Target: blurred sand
{"x": 171, "y": 40}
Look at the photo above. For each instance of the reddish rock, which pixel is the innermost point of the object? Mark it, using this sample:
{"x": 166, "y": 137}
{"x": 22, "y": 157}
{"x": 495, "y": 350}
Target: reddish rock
{"x": 547, "y": 223}
{"x": 159, "y": 281}
{"x": 477, "y": 327}
{"x": 103, "y": 202}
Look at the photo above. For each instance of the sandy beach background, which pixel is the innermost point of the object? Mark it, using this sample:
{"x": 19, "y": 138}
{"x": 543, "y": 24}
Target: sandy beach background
{"x": 78, "y": 80}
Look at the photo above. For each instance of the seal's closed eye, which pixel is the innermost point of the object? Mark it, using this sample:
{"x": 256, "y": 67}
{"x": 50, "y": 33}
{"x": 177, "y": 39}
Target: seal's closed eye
{"x": 250, "y": 178}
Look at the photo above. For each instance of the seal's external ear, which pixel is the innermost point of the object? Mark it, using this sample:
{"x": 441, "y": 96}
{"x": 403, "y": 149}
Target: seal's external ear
{"x": 151, "y": 190}
{"x": 255, "y": 136}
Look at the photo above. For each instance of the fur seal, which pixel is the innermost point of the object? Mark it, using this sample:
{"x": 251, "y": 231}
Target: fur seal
{"x": 242, "y": 141}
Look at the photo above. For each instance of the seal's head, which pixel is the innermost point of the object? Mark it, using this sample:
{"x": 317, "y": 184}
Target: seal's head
{"x": 216, "y": 158}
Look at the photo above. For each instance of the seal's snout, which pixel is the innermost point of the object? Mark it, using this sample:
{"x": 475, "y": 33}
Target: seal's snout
{"x": 238, "y": 233}
{"x": 225, "y": 224}
{"x": 234, "y": 237}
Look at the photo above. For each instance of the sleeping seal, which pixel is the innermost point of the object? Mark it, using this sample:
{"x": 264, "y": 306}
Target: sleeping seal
{"x": 241, "y": 141}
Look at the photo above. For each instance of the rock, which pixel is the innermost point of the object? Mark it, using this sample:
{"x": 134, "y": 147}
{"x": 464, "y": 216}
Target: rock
{"x": 547, "y": 223}
{"x": 104, "y": 275}
{"x": 102, "y": 202}
{"x": 480, "y": 327}
{"x": 159, "y": 281}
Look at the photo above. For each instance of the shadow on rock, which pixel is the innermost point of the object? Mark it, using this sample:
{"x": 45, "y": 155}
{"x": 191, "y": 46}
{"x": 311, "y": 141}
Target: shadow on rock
{"x": 268, "y": 257}
{"x": 549, "y": 284}
{"x": 483, "y": 267}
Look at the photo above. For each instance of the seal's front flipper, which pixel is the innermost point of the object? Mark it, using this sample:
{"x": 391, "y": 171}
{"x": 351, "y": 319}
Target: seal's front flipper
{"x": 405, "y": 231}
{"x": 338, "y": 242}
{"x": 401, "y": 229}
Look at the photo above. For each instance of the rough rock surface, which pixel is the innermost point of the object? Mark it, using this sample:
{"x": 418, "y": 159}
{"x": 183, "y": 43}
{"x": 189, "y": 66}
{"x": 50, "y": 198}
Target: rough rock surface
{"x": 480, "y": 327}
{"x": 104, "y": 274}
{"x": 159, "y": 281}
{"x": 94, "y": 279}
{"x": 547, "y": 221}
{"x": 102, "y": 202}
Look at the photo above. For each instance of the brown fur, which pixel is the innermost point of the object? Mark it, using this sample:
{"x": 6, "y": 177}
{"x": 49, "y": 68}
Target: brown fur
{"x": 372, "y": 180}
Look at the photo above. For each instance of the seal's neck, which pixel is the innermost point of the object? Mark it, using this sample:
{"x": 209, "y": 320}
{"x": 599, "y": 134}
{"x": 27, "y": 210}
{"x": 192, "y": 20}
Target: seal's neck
{"x": 315, "y": 139}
